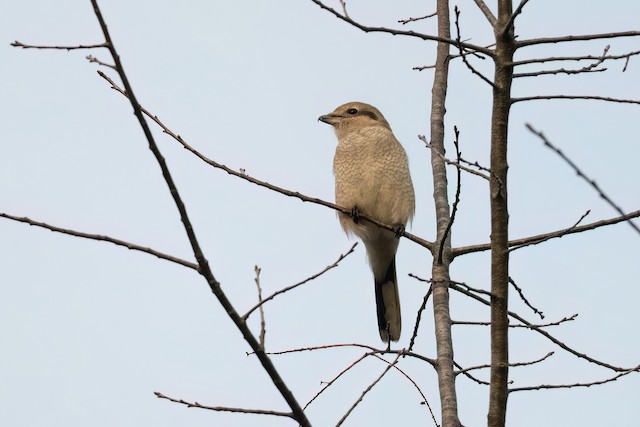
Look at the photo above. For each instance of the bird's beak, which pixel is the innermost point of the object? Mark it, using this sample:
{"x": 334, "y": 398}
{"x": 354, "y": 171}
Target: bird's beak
{"x": 331, "y": 119}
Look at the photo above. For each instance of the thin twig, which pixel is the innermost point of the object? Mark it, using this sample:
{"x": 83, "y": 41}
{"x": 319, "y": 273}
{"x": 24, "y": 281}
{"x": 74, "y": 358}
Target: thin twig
{"x": 566, "y": 231}
{"x": 468, "y": 375}
{"x": 67, "y": 48}
{"x": 601, "y": 58}
{"x": 102, "y": 238}
{"x": 424, "y": 398}
{"x": 544, "y": 325}
{"x": 92, "y": 58}
{"x": 260, "y": 301}
{"x": 513, "y": 17}
{"x": 334, "y": 379}
{"x": 373, "y": 350}
{"x": 588, "y": 69}
{"x": 542, "y": 332}
{"x": 524, "y": 299}
{"x": 414, "y": 335}
{"x": 463, "y": 54}
{"x": 344, "y": 7}
{"x": 513, "y": 365}
{"x": 564, "y": 39}
{"x": 456, "y": 164}
{"x": 592, "y": 68}
{"x": 454, "y": 209}
{"x": 367, "y": 29}
{"x": 302, "y": 282}
{"x": 589, "y": 97}
{"x": 328, "y": 384}
{"x": 406, "y": 21}
{"x": 367, "y": 390}
{"x": 589, "y": 384}
{"x": 581, "y": 174}
{"x": 224, "y": 408}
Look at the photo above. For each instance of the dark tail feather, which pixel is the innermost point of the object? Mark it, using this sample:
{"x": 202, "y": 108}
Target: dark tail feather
{"x": 388, "y": 305}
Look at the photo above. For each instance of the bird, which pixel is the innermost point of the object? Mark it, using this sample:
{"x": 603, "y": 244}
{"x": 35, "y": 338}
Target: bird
{"x": 372, "y": 178}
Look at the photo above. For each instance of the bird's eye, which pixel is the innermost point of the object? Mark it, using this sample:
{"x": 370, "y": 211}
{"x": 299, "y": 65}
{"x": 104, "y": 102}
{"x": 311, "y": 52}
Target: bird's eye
{"x": 352, "y": 111}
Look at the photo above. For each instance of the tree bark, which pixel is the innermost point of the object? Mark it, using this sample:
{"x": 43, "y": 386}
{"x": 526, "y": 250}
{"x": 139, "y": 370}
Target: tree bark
{"x": 505, "y": 47}
{"x": 440, "y": 270}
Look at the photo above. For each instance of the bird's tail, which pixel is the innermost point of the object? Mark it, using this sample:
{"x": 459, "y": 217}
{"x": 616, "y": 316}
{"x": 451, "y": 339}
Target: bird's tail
{"x": 388, "y": 304}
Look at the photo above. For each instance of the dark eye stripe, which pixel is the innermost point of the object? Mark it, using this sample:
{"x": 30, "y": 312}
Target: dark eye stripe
{"x": 370, "y": 114}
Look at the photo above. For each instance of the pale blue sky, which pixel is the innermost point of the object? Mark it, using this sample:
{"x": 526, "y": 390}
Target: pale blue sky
{"x": 90, "y": 330}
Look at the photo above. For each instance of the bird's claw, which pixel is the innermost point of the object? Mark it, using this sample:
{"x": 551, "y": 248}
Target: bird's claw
{"x": 355, "y": 214}
{"x": 398, "y": 231}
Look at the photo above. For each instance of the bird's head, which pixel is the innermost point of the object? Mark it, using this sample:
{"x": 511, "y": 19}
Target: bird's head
{"x": 352, "y": 116}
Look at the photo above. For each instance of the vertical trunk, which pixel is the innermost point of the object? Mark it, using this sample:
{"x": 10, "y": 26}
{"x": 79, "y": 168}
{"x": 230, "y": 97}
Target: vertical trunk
{"x": 440, "y": 271}
{"x": 505, "y": 47}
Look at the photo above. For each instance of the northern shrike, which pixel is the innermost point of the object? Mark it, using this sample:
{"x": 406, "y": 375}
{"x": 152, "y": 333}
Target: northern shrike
{"x": 372, "y": 178}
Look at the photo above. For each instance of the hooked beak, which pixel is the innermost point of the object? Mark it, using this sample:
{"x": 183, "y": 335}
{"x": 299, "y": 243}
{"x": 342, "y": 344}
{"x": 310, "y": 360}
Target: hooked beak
{"x": 331, "y": 119}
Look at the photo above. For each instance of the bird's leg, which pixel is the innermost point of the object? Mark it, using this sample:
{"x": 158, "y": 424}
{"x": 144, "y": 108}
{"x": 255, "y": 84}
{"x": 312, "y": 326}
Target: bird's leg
{"x": 388, "y": 337}
{"x": 355, "y": 214}
{"x": 398, "y": 230}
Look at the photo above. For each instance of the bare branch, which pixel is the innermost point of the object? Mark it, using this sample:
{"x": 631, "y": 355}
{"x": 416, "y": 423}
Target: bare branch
{"x": 542, "y": 332}
{"x": 373, "y": 350}
{"x": 513, "y": 365}
{"x": 344, "y": 7}
{"x": 414, "y": 335}
{"x": 260, "y": 302}
{"x": 547, "y": 236}
{"x": 456, "y": 164}
{"x": 601, "y": 58}
{"x": 463, "y": 54}
{"x": 454, "y": 209}
{"x": 92, "y": 58}
{"x": 334, "y": 379}
{"x": 468, "y": 52}
{"x": 224, "y": 408}
{"x": 588, "y": 69}
{"x": 581, "y": 174}
{"x": 406, "y": 21}
{"x": 476, "y": 164}
{"x": 67, "y": 48}
{"x": 243, "y": 175}
{"x": 592, "y": 68}
{"x": 471, "y": 289}
{"x": 308, "y": 279}
{"x": 487, "y": 12}
{"x": 564, "y": 39}
{"x": 556, "y": 323}
{"x": 513, "y": 17}
{"x": 468, "y": 375}
{"x": 590, "y": 97}
{"x": 204, "y": 268}
{"x": 524, "y": 299}
{"x": 102, "y": 238}
{"x": 367, "y": 390}
{"x": 544, "y": 325}
{"x": 589, "y": 384}
{"x": 566, "y": 231}
{"x": 401, "y": 32}
{"x": 424, "y": 398}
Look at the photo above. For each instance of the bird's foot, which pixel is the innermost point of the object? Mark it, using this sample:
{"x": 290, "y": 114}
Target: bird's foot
{"x": 388, "y": 337}
{"x": 355, "y": 214}
{"x": 398, "y": 231}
